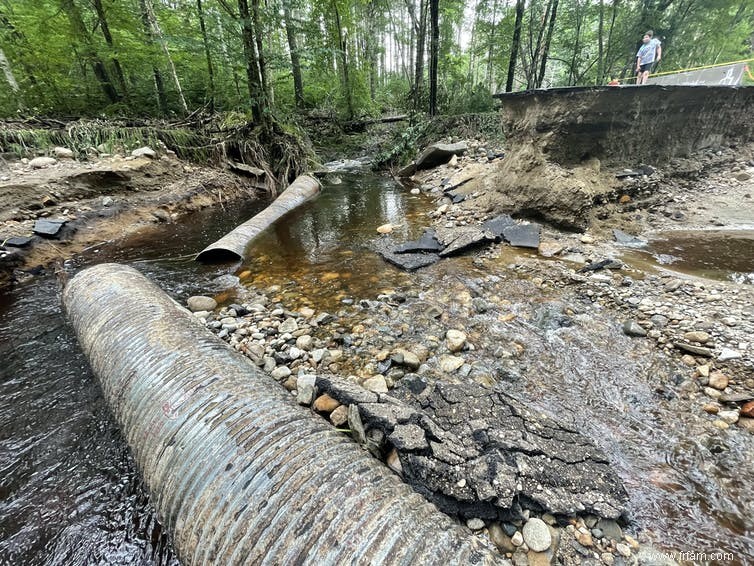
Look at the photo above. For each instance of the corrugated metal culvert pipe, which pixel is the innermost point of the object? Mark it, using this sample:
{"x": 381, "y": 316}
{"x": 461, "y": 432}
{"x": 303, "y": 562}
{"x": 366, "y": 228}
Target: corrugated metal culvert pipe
{"x": 237, "y": 471}
{"x": 233, "y": 245}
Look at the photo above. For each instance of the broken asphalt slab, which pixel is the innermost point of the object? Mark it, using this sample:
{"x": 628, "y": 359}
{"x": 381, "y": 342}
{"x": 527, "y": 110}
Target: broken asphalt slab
{"x": 427, "y": 243}
{"x": 523, "y": 235}
{"x": 479, "y": 452}
{"x": 461, "y": 239}
{"x": 48, "y": 228}
{"x": 407, "y": 261}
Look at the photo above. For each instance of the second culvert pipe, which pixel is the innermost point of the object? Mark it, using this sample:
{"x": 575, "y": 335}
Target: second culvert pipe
{"x": 238, "y": 473}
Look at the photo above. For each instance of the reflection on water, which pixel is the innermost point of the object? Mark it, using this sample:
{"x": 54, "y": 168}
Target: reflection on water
{"x": 713, "y": 254}
{"x": 323, "y": 246}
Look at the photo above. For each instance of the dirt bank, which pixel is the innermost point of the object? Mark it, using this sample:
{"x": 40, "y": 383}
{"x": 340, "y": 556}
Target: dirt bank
{"x": 99, "y": 200}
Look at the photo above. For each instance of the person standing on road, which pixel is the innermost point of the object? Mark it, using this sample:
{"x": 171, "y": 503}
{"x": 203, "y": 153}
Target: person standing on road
{"x": 649, "y": 54}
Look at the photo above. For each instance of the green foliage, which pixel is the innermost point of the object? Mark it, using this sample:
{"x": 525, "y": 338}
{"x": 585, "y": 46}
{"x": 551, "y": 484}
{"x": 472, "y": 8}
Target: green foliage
{"x": 357, "y": 57}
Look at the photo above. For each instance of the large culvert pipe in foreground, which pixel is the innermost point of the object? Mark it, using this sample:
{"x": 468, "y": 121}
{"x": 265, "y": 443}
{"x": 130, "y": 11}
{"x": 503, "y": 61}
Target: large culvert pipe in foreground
{"x": 233, "y": 244}
{"x": 238, "y": 473}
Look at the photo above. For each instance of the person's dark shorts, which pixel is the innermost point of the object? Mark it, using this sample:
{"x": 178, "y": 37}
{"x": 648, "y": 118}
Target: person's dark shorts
{"x": 647, "y": 67}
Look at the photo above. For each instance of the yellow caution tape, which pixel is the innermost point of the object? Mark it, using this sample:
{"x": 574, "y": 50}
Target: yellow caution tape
{"x": 699, "y": 69}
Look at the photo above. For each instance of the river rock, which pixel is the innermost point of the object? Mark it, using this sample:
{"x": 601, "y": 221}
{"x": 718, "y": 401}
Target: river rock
{"x": 289, "y": 325}
{"x": 730, "y": 417}
{"x": 718, "y": 380}
{"x": 455, "y": 340}
{"x": 407, "y": 358}
{"x": 728, "y": 354}
{"x": 376, "y": 384}
{"x": 62, "y": 153}
{"x": 449, "y": 364}
{"x": 325, "y": 404}
{"x": 385, "y": 228}
{"x": 144, "y": 151}
{"x": 743, "y": 176}
{"x": 696, "y": 336}
{"x": 747, "y": 410}
{"x": 42, "y": 162}
{"x": 625, "y": 239}
{"x": 280, "y": 373}
{"x": 475, "y": 524}
{"x": 696, "y": 350}
{"x": 633, "y": 328}
{"x": 201, "y": 303}
{"x": 305, "y": 386}
{"x": 439, "y": 153}
{"x": 550, "y": 249}
{"x": 537, "y": 535}
{"x": 610, "y": 529}
{"x": 500, "y": 538}
{"x": 339, "y": 416}
{"x": 304, "y": 342}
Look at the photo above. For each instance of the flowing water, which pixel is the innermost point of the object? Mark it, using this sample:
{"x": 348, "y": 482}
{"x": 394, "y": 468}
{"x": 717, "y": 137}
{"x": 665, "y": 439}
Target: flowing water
{"x": 70, "y": 493}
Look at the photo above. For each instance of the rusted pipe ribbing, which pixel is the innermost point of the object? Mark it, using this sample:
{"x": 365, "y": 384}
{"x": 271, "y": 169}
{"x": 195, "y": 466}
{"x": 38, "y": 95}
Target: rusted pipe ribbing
{"x": 238, "y": 472}
{"x": 233, "y": 244}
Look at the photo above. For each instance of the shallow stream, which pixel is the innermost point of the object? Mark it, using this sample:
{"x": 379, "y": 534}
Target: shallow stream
{"x": 69, "y": 490}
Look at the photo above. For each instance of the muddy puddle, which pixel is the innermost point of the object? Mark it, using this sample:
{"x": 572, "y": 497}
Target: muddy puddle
{"x": 70, "y": 492}
{"x": 723, "y": 255}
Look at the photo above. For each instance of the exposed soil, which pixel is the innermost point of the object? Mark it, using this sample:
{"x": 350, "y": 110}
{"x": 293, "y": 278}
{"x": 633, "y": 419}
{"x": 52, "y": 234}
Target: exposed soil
{"x": 101, "y": 200}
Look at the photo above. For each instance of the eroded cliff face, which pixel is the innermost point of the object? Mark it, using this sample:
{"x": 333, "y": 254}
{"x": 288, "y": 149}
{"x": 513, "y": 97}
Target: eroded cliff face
{"x": 628, "y": 125}
{"x": 565, "y": 145}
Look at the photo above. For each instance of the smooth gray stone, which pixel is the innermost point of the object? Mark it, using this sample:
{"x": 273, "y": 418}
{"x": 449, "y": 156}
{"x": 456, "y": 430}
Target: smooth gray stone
{"x": 439, "y": 153}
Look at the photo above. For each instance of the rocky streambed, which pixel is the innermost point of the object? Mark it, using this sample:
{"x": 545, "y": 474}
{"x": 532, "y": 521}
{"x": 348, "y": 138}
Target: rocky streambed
{"x": 638, "y": 377}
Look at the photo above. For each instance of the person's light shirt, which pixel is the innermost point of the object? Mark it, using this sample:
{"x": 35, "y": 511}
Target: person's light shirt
{"x": 648, "y": 51}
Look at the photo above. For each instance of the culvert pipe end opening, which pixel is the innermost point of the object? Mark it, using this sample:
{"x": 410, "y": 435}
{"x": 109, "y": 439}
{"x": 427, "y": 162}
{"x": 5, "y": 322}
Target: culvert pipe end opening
{"x": 237, "y": 471}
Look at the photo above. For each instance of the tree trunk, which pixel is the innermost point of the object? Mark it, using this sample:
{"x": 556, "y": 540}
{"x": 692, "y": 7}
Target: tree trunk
{"x": 253, "y": 76}
{"x": 81, "y": 34}
{"x": 226, "y": 55}
{"x": 601, "y": 45}
{"x": 343, "y": 56}
{"x": 210, "y": 69}
{"x": 546, "y": 47}
{"x": 10, "y": 77}
{"x": 258, "y": 34}
{"x": 290, "y": 32}
{"x": 99, "y": 9}
{"x": 434, "y": 49}
{"x": 493, "y": 30}
{"x": 515, "y": 44}
{"x": 157, "y": 34}
{"x": 159, "y": 83}
{"x": 420, "y": 29}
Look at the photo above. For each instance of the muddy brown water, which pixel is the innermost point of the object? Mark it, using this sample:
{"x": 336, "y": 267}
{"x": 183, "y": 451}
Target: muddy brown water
{"x": 725, "y": 255}
{"x": 69, "y": 489}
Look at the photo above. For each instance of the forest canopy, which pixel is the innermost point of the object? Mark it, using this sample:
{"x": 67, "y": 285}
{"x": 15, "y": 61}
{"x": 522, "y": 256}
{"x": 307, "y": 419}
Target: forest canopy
{"x": 344, "y": 59}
